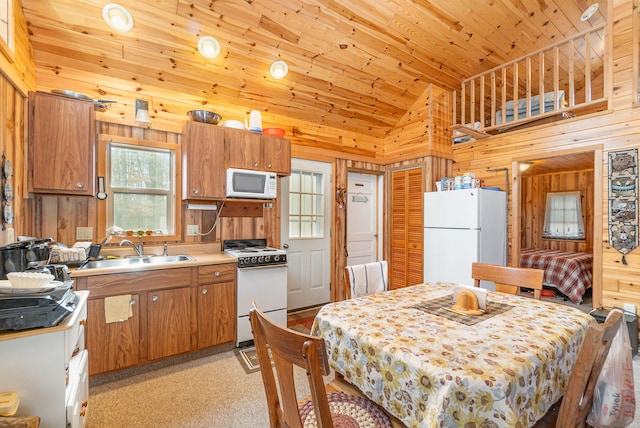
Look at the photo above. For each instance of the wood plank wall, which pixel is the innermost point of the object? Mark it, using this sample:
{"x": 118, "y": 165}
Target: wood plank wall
{"x": 616, "y": 129}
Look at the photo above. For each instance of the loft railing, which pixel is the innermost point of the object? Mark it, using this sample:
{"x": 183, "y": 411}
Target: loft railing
{"x": 562, "y": 80}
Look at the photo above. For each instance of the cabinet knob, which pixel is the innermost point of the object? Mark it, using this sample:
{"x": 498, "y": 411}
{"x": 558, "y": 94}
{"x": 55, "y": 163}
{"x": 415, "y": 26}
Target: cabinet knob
{"x": 83, "y": 322}
{"x": 217, "y": 273}
{"x": 196, "y": 191}
{"x": 255, "y": 164}
{"x": 269, "y": 165}
{"x": 132, "y": 302}
{"x": 79, "y": 184}
{"x": 154, "y": 298}
{"x": 204, "y": 291}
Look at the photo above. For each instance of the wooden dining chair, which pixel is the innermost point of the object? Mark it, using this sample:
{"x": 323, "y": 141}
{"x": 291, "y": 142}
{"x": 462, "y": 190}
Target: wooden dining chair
{"x": 367, "y": 278}
{"x": 508, "y": 279}
{"x": 289, "y": 349}
{"x": 574, "y": 407}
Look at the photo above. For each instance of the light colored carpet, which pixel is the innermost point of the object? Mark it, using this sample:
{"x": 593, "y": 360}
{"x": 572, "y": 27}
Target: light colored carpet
{"x": 213, "y": 391}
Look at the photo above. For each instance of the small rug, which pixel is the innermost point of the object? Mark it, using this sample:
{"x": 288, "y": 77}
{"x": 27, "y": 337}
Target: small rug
{"x": 347, "y": 411}
{"x": 248, "y": 358}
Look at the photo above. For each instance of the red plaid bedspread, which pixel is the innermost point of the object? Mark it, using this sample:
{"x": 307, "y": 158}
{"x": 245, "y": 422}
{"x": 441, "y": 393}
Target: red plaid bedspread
{"x": 569, "y": 272}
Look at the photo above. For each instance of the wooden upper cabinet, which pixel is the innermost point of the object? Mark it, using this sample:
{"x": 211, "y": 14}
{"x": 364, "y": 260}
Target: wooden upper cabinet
{"x": 203, "y": 161}
{"x": 243, "y": 149}
{"x": 249, "y": 150}
{"x": 276, "y": 155}
{"x": 61, "y": 145}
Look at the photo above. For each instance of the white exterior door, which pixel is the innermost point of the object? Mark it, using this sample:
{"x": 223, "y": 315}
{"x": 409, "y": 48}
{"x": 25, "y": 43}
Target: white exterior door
{"x": 306, "y": 228}
{"x": 363, "y": 238}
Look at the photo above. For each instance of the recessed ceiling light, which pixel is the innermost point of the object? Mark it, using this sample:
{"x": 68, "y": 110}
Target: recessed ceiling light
{"x": 279, "y": 69}
{"x": 589, "y": 12}
{"x": 117, "y": 17}
{"x": 208, "y": 47}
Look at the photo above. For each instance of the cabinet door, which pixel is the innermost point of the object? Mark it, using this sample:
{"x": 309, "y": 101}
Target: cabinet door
{"x": 203, "y": 161}
{"x": 168, "y": 322}
{"x": 115, "y": 345}
{"x": 243, "y": 149}
{"x": 216, "y": 314}
{"x": 61, "y": 145}
{"x": 276, "y": 155}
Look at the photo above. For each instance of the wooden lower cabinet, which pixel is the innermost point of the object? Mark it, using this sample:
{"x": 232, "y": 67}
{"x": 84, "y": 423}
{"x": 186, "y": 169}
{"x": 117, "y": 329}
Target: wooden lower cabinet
{"x": 216, "y": 305}
{"x": 114, "y": 345}
{"x": 168, "y": 322}
{"x": 173, "y": 311}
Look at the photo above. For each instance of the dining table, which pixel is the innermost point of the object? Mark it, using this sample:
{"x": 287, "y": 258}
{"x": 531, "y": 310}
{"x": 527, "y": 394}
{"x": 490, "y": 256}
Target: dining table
{"x": 429, "y": 366}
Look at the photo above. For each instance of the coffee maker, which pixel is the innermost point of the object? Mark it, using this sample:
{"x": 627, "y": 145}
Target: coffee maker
{"x": 24, "y": 255}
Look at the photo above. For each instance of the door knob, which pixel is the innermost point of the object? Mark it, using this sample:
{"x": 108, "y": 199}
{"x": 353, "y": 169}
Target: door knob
{"x": 285, "y": 246}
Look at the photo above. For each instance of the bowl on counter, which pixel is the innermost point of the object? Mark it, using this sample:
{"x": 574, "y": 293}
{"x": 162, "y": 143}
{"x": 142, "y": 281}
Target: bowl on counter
{"x": 274, "y": 132}
{"x": 204, "y": 116}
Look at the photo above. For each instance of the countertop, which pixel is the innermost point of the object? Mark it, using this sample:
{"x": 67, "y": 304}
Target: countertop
{"x": 203, "y": 255}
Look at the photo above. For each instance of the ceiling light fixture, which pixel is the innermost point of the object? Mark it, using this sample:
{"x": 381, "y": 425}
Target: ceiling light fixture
{"x": 208, "y": 47}
{"x": 525, "y": 166}
{"x": 142, "y": 111}
{"x": 117, "y": 17}
{"x": 279, "y": 69}
{"x": 589, "y": 12}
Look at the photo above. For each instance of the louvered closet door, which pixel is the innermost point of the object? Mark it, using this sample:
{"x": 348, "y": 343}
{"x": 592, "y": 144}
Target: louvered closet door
{"x": 406, "y": 261}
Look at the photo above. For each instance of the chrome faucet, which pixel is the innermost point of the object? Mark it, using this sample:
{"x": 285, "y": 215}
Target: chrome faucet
{"x": 139, "y": 248}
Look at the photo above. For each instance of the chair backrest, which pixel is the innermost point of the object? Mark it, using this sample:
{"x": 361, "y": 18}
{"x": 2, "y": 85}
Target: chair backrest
{"x": 367, "y": 278}
{"x": 578, "y": 398}
{"x": 288, "y": 348}
{"x": 508, "y": 279}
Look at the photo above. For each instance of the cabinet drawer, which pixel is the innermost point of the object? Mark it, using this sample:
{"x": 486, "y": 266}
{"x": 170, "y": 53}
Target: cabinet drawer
{"x": 72, "y": 337}
{"x": 77, "y": 392}
{"x": 216, "y": 273}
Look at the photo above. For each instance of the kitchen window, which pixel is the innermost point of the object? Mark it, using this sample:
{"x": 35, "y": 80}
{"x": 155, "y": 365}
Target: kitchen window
{"x": 563, "y": 216}
{"x": 141, "y": 186}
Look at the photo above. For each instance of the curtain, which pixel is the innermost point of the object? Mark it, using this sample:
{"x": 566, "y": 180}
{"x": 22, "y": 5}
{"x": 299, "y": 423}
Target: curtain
{"x": 563, "y": 216}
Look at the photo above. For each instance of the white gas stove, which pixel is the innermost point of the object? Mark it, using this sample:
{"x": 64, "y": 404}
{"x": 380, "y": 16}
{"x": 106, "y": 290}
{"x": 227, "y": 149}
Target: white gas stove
{"x": 261, "y": 278}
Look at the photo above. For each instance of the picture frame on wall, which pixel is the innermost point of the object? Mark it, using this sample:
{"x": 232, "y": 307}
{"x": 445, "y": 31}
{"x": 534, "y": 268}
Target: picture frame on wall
{"x": 7, "y": 29}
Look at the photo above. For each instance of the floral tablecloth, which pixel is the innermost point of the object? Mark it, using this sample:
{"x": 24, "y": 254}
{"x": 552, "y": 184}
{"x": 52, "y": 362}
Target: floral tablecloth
{"x": 431, "y": 370}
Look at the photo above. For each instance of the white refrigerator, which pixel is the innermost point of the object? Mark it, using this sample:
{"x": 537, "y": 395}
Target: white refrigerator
{"x": 462, "y": 227}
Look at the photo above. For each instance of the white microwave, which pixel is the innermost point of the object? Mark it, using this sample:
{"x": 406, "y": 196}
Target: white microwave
{"x": 244, "y": 183}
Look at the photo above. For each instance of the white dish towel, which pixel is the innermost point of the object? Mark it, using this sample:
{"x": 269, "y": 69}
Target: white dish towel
{"x": 368, "y": 278}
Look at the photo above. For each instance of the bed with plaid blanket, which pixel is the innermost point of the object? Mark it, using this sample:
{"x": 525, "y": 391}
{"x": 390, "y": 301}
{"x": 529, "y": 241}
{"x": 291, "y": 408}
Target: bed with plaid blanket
{"x": 569, "y": 272}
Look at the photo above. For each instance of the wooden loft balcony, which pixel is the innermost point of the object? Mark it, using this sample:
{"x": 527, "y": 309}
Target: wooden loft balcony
{"x": 564, "y": 80}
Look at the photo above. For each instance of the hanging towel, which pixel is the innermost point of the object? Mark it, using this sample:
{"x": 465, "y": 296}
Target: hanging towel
{"x": 117, "y": 308}
{"x": 368, "y": 278}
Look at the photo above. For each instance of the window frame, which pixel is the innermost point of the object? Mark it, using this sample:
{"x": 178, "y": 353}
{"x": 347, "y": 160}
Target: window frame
{"x": 102, "y": 171}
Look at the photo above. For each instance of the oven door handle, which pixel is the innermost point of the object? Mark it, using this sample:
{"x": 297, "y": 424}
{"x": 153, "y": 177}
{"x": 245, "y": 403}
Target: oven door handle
{"x": 280, "y": 265}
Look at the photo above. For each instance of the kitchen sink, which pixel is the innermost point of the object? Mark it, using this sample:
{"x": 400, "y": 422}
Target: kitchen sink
{"x": 133, "y": 262}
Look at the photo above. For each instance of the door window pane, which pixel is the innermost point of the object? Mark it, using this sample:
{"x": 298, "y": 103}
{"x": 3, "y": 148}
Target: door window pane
{"x": 306, "y": 204}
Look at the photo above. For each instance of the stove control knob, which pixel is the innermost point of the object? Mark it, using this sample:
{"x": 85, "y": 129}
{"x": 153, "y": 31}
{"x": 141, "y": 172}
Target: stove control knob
{"x": 276, "y": 258}
{"x": 254, "y": 259}
{"x": 261, "y": 259}
{"x": 267, "y": 259}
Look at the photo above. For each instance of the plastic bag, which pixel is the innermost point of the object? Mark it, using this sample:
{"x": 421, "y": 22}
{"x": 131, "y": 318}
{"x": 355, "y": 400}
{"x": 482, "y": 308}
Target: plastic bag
{"x": 614, "y": 400}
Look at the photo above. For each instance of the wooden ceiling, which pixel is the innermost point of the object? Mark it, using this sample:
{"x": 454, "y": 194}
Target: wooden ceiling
{"x": 354, "y": 65}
